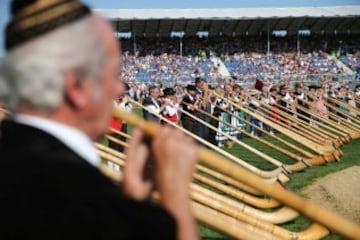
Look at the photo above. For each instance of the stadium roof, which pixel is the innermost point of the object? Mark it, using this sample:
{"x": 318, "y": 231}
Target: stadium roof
{"x": 239, "y": 21}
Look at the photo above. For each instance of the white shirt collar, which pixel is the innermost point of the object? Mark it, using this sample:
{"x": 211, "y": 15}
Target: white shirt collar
{"x": 155, "y": 102}
{"x": 71, "y": 137}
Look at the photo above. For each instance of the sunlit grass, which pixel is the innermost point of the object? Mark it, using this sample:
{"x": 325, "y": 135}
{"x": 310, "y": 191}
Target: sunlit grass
{"x": 298, "y": 181}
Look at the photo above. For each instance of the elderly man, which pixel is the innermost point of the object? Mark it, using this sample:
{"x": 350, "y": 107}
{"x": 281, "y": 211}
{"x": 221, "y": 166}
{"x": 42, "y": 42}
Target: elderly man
{"x": 152, "y": 105}
{"x": 59, "y": 79}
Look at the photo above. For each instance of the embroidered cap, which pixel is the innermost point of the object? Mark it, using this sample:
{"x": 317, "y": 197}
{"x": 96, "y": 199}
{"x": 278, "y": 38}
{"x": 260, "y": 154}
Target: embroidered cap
{"x": 33, "y": 18}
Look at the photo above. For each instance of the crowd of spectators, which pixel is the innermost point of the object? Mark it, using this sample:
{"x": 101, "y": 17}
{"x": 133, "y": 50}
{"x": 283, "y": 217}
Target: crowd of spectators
{"x": 305, "y": 102}
{"x": 155, "y": 60}
{"x": 168, "y": 68}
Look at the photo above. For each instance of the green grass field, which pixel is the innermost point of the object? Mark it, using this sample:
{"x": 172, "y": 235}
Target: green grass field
{"x": 298, "y": 181}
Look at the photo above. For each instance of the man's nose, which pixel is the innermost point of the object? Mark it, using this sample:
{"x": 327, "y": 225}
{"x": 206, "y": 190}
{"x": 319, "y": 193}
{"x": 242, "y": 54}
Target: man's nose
{"x": 119, "y": 88}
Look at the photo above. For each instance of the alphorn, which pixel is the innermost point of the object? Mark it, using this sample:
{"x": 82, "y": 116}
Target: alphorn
{"x": 280, "y": 215}
{"x": 342, "y": 127}
{"x": 120, "y": 133}
{"x": 333, "y": 122}
{"x": 308, "y": 208}
{"x": 326, "y": 123}
{"x": 340, "y": 115}
{"x": 276, "y": 147}
{"x": 346, "y": 119}
{"x": 294, "y": 167}
{"x": 277, "y": 173}
{"x": 236, "y": 193}
{"x": 344, "y": 104}
{"x": 312, "y": 159}
{"x": 325, "y": 132}
{"x": 3, "y": 113}
{"x": 206, "y": 215}
{"x": 322, "y": 150}
{"x": 264, "y": 156}
{"x": 115, "y": 140}
{"x": 301, "y": 125}
{"x": 208, "y": 171}
{"x": 315, "y": 231}
{"x": 289, "y": 125}
{"x": 212, "y": 173}
{"x": 335, "y": 155}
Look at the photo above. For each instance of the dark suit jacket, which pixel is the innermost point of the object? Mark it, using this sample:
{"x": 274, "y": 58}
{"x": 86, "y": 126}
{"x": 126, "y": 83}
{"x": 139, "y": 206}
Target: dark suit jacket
{"x": 48, "y": 192}
{"x": 148, "y": 116}
{"x": 186, "y": 99}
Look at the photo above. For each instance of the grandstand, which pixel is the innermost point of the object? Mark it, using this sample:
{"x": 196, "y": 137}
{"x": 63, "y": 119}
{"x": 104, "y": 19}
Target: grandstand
{"x": 176, "y": 45}
{"x": 277, "y": 132}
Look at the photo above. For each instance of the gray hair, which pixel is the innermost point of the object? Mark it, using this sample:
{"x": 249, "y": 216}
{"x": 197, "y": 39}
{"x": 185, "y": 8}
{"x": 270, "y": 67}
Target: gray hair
{"x": 32, "y": 74}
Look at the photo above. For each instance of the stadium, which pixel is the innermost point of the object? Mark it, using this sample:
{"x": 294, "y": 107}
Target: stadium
{"x": 311, "y": 45}
{"x": 263, "y": 104}
{"x": 240, "y": 43}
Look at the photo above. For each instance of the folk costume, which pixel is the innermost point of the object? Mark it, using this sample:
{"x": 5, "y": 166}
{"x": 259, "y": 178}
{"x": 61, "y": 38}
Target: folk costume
{"x": 50, "y": 185}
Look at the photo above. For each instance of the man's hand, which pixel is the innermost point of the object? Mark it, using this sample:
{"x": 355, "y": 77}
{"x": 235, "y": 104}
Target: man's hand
{"x": 134, "y": 184}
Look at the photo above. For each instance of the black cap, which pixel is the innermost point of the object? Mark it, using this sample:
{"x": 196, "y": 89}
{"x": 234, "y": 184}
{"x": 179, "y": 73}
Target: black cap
{"x": 315, "y": 87}
{"x": 272, "y": 89}
{"x": 169, "y": 92}
{"x": 199, "y": 80}
{"x": 33, "y": 18}
{"x": 191, "y": 88}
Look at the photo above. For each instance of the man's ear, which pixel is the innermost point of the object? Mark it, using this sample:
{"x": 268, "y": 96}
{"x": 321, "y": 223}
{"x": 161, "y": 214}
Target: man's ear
{"x": 75, "y": 89}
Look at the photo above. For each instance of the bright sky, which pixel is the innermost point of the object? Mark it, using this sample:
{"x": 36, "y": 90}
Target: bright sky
{"x": 4, "y": 6}
{"x": 216, "y": 3}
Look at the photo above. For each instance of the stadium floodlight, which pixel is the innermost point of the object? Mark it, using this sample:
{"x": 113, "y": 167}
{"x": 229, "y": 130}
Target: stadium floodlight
{"x": 279, "y": 33}
{"x": 126, "y": 35}
{"x": 179, "y": 34}
{"x": 304, "y": 32}
{"x": 301, "y": 32}
{"x": 202, "y": 34}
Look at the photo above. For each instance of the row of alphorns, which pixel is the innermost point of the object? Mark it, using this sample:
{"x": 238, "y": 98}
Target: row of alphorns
{"x": 242, "y": 218}
{"x": 253, "y": 200}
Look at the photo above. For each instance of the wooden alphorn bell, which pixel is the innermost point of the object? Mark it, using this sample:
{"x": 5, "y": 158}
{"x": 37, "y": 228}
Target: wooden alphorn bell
{"x": 308, "y": 208}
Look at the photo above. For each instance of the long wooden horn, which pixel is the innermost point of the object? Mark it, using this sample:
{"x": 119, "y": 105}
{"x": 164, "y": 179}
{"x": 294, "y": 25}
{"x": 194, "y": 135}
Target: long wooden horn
{"x": 334, "y": 123}
{"x": 280, "y": 215}
{"x": 208, "y": 171}
{"x": 326, "y": 123}
{"x": 236, "y": 193}
{"x": 344, "y": 104}
{"x": 294, "y": 167}
{"x": 266, "y": 174}
{"x": 244, "y": 145}
{"x": 324, "y": 132}
{"x": 341, "y": 115}
{"x": 205, "y": 215}
{"x": 308, "y": 208}
{"x": 288, "y": 124}
{"x": 300, "y": 125}
{"x": 311, "y": 159}
{"x": 304, "y": 141}
{"x": 315, "y": 231}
